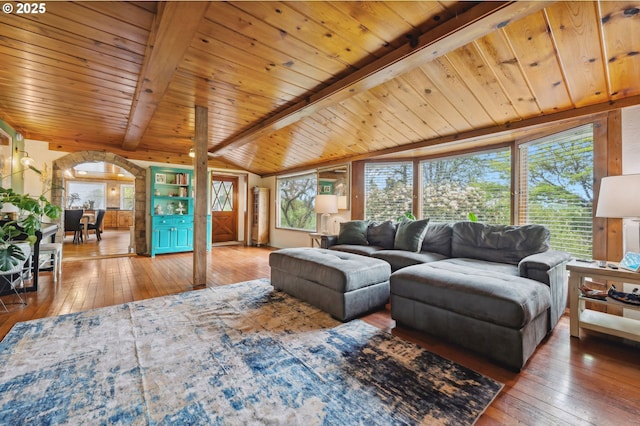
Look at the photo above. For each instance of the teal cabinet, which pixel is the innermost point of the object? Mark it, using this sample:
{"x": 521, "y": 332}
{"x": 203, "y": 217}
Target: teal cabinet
{"x": 171, "y": 210}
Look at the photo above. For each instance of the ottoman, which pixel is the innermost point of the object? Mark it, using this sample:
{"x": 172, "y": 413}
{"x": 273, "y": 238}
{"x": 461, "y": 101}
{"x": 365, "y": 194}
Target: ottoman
{"x": 497, "y": 314}
{"x": 345, "y": 285}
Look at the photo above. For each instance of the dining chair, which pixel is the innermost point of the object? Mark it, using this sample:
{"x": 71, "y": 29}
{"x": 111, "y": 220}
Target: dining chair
{"x": 14, "y": 277}
{"x": 97, "y": 224}
{"x": 72, "y": 223}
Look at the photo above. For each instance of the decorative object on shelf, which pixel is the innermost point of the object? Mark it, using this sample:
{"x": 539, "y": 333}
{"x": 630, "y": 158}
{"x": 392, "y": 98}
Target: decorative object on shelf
{"x": 172, "y": 221}
{"x": 631, "y": 261}
{"x": 618, "y": 197}
{"x": 326, "y": 204}
{"x": 632, "y": 298}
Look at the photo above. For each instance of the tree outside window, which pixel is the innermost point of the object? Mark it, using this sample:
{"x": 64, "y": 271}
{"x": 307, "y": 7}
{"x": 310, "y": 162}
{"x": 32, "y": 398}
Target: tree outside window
{"x": 296, "y": 202}
{"x": 388, "y": 190}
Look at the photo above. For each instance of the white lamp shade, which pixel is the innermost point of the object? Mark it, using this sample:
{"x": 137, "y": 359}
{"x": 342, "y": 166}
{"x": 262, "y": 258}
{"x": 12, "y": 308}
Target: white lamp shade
{"x": 619, "y": 197}
{"x": 326, "y": 203}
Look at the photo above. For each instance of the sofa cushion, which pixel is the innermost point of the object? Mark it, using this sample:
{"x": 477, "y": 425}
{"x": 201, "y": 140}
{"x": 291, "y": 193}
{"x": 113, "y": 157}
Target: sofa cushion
{"x": 438, "y": 238}
{"x": 498, "y": 243}
{"x": 399, "y": 259}
{"x": 356, "y": 249}
{"x": 490, "y": 296}
{"x": 410, "y": 234}
{"x": 381, "y": 234}
{"x": 353, "y": 232}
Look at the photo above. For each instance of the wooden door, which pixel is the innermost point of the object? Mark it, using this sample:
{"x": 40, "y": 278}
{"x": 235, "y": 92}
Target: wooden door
{"x": 224, "y": 210}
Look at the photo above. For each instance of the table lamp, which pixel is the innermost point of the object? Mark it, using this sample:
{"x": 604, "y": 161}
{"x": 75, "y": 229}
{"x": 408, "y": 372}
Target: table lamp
{"x": 619, "y": 197}
{"x": 326, "y": 204}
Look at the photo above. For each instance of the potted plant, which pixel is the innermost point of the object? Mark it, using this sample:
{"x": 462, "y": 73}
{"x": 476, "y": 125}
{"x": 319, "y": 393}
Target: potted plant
{"x": 31, "y": 211}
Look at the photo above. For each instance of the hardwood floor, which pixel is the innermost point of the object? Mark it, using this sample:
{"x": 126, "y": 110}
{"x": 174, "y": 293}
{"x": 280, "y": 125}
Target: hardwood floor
{"x": 568, "y": 381}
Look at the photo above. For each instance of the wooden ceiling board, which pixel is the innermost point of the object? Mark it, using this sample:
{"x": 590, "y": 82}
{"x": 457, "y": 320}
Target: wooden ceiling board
{"x": 578, "y": 21}
{"x": 290, "y": 85}
{"x": 433, "y": 106}
{"x": 499, "y": 56}
{"x": 536, "y": 53}
{"x": 479, "y": 78}
{"x": 621, "y": 31}
{"x": 455, "y": 91}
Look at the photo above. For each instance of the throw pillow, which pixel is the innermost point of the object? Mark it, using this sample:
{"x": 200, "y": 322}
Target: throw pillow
{"x": 410, "y": 234}
{"x": 381, "y": 234}
{"x": 353, "y": 232}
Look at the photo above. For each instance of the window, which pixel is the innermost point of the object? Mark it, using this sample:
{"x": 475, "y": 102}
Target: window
{"x": 388, "y": 190}
{"x": 556, "y": 188}
{"x": 127, "y": 197}
{"x": 87, "y": 195}
{"x": 477, "y": 183}
{"x": 296, "y": 201}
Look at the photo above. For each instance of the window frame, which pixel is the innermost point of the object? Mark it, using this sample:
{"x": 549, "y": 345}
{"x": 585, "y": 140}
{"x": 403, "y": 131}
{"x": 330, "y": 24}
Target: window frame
{"x": 607, "y": 148}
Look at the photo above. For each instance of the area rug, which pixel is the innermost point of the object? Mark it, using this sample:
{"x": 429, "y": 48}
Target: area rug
{"x": 237, "y": 355}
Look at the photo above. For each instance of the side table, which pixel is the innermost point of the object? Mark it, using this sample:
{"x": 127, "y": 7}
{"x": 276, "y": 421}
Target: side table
{"x": 580, "y": 317}
{"x": 316, "y": 239}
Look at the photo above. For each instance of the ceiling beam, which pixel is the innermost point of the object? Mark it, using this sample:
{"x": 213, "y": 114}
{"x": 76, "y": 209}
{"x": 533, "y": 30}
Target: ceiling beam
{"x": 139, "y": 154}
{"x": 173, "y": 30}
{"x": 452, "y": 34}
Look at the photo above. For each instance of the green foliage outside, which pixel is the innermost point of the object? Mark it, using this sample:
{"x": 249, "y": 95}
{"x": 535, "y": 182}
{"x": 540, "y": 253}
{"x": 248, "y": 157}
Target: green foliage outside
{"x": 557, "y": 191}
{"x": 297, "y": 202}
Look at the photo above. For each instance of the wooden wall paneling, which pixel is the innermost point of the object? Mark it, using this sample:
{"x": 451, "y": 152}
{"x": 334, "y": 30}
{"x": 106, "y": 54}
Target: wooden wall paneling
{"x": 615, "y": 230}
{"x": 357, "y": 190}
{"x": 201, "y": 207}
{"x": 600, "y": 170}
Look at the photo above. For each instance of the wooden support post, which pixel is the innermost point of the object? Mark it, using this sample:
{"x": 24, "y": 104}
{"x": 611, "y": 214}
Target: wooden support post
{"x": 200, "y": 198}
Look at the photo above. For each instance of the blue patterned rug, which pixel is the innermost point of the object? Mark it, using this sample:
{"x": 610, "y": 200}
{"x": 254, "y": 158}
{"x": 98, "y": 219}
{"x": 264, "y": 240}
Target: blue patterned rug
{"x": 239, "y": 354}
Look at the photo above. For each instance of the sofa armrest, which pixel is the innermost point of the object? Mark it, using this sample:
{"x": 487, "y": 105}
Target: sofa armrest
{"x": 549, "y": 268}
{"x": 538, "y": 266}
{"x": 327, "y": 241}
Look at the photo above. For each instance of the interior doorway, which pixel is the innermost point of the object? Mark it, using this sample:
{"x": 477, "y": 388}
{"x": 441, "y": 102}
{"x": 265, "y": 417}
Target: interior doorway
{"x": 224, "y": 208}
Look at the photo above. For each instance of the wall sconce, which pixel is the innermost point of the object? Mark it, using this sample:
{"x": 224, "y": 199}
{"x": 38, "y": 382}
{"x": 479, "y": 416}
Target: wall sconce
{"x": 113, "y": 190}
{"x": 25, "y": 160}
{"x": 192, "y": 153}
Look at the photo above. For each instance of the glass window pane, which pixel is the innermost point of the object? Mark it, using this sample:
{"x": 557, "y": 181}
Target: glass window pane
{"x": 478, "y": 184}
{"x": 388, "y": 190}
{"x": 557, "y": 188}
{"x": 127, "y": 197}
{"x": 87, "y": 195}
{"x": 296, "y": 202}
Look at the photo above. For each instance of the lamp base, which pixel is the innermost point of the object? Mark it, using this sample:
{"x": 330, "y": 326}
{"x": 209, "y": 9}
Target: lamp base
{"x": 324, "y": 223}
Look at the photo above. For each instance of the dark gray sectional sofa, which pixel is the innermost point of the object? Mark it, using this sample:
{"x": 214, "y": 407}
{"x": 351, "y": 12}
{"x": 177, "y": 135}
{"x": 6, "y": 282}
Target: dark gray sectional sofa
{"x": 495, "y": 289}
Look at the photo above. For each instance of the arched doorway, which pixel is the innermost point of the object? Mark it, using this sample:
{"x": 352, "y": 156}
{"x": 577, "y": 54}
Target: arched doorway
{"x": 140, "y": 174}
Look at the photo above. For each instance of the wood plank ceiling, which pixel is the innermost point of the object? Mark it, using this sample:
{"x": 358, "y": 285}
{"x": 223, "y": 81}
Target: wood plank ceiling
{"x": 294, "y": 85}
